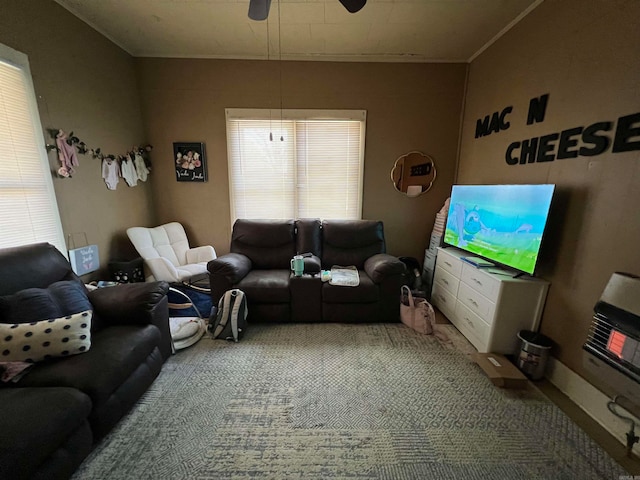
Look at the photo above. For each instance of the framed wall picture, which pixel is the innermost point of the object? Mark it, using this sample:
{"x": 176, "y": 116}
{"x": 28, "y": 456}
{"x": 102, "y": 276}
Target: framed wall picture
{"x": 190, "y": 162}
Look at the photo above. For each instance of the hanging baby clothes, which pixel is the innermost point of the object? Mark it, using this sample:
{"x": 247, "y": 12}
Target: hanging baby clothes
{"x": 129, "y": 172}
{"x": 66, "y": 154}
{"x": 111, "y": 173}
{"x": 141, "y": 168}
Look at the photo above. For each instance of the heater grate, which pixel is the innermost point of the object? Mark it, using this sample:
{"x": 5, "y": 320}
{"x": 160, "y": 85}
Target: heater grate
{"x": 614, "y": 343}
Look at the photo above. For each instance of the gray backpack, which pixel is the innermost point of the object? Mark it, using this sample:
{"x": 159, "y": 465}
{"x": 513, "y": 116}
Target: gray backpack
{"x": 230, "y": 321}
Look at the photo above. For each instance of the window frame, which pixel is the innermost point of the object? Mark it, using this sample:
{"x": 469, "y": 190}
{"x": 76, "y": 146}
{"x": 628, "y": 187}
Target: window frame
{"x": 20, "y": 61}
{"x": 275, "y": 116}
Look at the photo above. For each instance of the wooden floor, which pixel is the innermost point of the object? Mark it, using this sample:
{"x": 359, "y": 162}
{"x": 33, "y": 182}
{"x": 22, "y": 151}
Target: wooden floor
{"x": 607, "y": 441}
{"x": 601, "y": 436}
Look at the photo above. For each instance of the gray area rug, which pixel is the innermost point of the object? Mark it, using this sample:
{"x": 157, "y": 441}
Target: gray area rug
{"x": 331, "y": 401}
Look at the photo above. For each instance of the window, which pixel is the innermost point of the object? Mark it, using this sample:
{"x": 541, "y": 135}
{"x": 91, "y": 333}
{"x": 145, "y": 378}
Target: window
{"x": 316, "y": 169}
{"x": 28, "y": 207}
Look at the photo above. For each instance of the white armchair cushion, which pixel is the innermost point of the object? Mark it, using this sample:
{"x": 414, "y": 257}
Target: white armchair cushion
{"x": 202, "y": 254}
{"x": 162, "y": 269}
{"x": 185, "y": 272}
{"x": 165, "y": 250}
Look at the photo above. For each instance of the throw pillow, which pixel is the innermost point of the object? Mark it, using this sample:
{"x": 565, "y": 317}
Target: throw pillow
{"x": 37, "y": 341}
{"x": 33, "y": 304}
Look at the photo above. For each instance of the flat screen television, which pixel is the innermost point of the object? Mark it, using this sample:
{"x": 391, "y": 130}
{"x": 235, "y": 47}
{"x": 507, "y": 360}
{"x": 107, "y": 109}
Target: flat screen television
{"x": 501, "y": 223}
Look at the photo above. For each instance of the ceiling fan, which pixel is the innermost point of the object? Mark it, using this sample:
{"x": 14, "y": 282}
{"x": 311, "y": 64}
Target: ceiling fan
{"x": 259, "y": 9}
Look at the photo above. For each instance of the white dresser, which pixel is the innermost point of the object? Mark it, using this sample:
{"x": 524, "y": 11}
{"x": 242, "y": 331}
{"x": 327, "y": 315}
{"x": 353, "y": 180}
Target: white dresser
{"x": 488, "y": 306}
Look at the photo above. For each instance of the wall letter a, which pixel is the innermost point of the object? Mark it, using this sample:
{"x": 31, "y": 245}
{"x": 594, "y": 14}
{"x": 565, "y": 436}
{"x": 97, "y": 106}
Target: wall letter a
{"x": 482, "y": 127}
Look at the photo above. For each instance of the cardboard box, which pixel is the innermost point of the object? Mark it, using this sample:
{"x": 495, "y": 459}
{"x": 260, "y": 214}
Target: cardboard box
{"x": 500, "y": 370}
{"x": 429, "y": 260}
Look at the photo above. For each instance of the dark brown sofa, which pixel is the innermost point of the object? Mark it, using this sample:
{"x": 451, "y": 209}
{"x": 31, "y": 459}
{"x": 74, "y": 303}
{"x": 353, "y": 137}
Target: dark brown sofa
{"x": 52, "y": 417}
{"x": 259, "y": 264}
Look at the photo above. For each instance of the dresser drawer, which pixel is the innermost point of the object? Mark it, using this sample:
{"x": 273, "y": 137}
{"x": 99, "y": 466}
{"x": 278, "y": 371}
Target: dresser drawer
{"x": 469, "y": 321}
{"x": 449, "y": 263}
{"x": 443, "y": 300}
{"x": 448, "y": 281}
{"x": 480, "y": 281}
{"x": 477, "y": 303}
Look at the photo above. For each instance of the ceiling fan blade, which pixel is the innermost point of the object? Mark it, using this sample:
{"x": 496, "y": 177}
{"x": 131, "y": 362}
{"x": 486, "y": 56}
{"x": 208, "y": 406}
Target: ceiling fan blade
{"x": 259, "y": 9}
{"x": 353, "y": 6}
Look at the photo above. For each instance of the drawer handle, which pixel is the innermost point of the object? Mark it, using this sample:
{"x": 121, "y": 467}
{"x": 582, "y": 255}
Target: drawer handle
{"x": 445, "y": 282}
{"x": 473, "y": 302}
{"x": 448, "y": 264}
{"x": 478, "y": 282}
{"x": 469, "y": 322}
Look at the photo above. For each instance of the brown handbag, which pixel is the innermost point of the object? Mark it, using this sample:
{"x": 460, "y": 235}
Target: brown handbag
{"x": 416, "y": 313}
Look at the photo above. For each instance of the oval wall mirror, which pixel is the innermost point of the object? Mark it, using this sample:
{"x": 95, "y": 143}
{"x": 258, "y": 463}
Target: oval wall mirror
{"x": 413, "y": 173}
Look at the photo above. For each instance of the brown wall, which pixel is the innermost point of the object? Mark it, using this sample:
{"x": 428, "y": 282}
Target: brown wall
{"x": 584, "y": 54}
{"x": 85, "y": 84}
{"x": 409, "y": 107}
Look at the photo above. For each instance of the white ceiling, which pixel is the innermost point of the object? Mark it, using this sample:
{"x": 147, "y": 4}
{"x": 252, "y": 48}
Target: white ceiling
{"x": 383, "y": 31}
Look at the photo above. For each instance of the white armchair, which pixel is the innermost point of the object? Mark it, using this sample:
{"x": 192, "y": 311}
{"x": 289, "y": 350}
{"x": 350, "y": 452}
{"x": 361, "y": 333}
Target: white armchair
{"x": 167, "y": 256}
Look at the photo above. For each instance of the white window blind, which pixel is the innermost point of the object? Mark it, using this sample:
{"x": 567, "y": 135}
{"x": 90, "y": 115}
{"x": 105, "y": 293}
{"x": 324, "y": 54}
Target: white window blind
{"x": 316, "y": 169}
{"x": 28, "y": 207}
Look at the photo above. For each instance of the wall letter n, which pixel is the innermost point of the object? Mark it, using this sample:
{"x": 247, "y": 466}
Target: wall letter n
{"x": 537, "y": 109}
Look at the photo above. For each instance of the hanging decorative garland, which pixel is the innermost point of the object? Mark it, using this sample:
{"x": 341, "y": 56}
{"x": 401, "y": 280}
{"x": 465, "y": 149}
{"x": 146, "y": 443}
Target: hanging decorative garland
{"x": 69, "y": 146}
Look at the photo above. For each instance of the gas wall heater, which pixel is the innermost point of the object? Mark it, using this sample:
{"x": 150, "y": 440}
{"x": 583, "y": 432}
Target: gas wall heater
{"x": 611, "y": 353}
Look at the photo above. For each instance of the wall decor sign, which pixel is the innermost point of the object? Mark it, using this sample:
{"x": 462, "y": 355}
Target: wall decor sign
{"x": 190, "y": 162}
{"x": 84, "y": 260}
{"x": 573, "y": 142}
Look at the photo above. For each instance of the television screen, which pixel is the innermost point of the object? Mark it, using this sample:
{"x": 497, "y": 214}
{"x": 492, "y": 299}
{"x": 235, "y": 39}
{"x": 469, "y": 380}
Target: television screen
{"x": 503, "y": 223}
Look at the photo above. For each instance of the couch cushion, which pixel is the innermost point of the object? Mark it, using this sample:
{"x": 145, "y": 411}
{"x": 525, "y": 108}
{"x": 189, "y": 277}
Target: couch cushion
{"x": 366, "y": 292}
{"x": 115, "y": 353}
{"x": 309, "y": 236}
{"x": 37, "y": 341}
{"x": 37, "y": 265}
{"x": 266, "y": 286}
{"x": 33, "y": 304}
{"x": 269, "y": 244}
{"x": 350, "y": 242}
{"x": 35, "y": 422}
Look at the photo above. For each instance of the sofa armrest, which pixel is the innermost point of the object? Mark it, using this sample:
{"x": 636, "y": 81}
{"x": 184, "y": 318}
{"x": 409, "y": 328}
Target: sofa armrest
{"x": 201, "y": 254}
{"x": 232, "y": 266}
{"x": 225, "y": 272}
{"x": 135, "y": 304}
{"x": 382, "y": 265}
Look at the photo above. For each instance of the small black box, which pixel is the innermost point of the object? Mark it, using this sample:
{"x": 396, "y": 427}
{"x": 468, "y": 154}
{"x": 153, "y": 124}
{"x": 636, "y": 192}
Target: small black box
{"x": 130, "y": 271}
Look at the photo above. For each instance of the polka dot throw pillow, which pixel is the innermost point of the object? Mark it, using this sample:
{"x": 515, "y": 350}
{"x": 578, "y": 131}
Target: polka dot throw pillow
{"x": 37, "y": 341}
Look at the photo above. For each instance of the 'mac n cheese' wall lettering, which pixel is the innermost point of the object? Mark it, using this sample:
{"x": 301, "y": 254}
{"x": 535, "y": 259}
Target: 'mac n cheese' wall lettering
{"x": 581, "y": 141}
{"x": 578, "y": 142}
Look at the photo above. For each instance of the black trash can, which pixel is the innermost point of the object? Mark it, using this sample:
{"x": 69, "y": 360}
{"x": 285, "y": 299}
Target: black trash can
{"x": 533, "y": 353}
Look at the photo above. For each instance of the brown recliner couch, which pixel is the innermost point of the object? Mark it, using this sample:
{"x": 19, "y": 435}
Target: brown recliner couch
{"x": 51, "y": 418}
{"x": 259, "y": 265}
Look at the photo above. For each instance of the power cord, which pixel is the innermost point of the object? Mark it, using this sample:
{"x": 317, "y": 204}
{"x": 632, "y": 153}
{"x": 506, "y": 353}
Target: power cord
{"x": 632, "y": 438}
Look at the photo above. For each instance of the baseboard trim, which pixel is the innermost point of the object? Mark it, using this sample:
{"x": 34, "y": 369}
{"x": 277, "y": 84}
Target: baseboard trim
{"x": 591, "y": 400}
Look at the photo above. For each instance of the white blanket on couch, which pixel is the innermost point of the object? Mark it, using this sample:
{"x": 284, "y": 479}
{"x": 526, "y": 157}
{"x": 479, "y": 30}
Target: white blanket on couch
{"x": 344, "y": 276}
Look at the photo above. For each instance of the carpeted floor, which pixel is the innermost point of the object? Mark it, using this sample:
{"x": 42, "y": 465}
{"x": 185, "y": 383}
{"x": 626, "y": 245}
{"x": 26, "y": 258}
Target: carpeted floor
{"x": 330, "y": 401}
